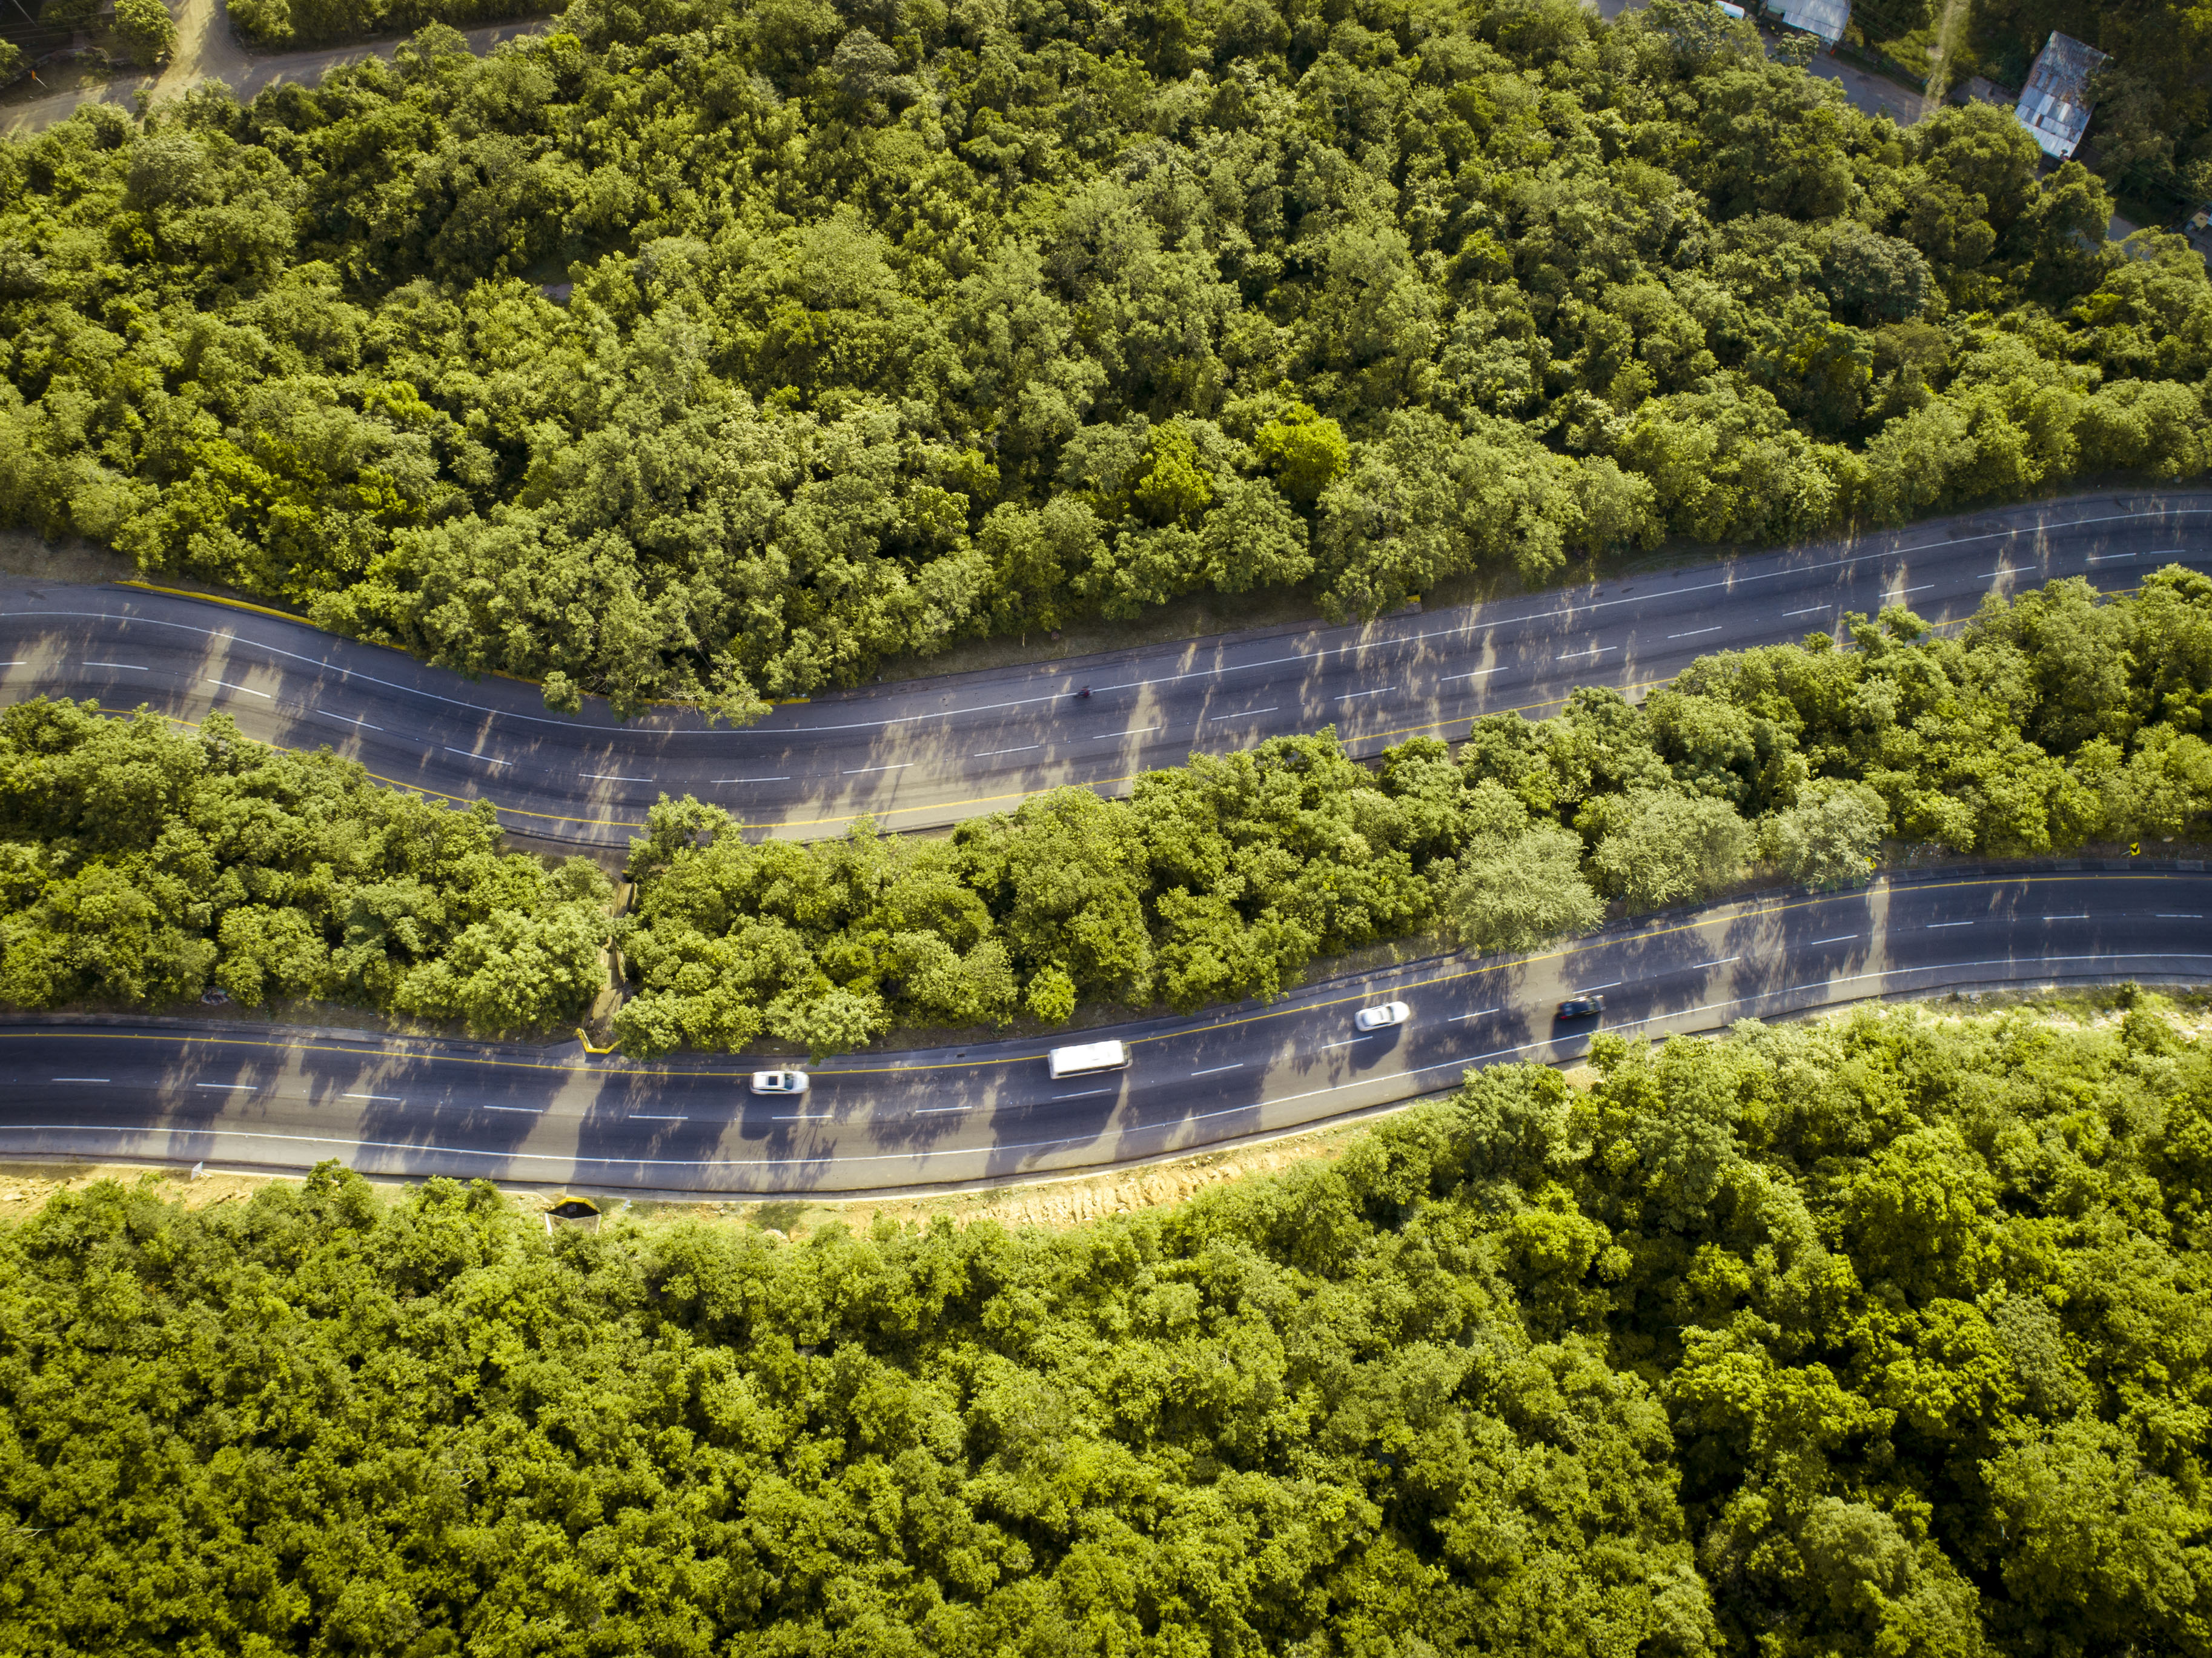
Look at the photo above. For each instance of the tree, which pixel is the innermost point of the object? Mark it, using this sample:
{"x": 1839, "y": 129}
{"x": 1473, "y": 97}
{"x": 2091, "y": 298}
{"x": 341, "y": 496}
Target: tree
{"x": 1656, "y": 848}
{"x": 1829, "y": 838}
{"x": 149, "y": 33}
{"x": 1518, "y": 894}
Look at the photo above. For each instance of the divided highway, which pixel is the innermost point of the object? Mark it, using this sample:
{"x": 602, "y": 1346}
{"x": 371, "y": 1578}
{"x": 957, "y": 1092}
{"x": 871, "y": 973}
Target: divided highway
{"x": 932, "y": 752}
{"x": 243, "y": 1096}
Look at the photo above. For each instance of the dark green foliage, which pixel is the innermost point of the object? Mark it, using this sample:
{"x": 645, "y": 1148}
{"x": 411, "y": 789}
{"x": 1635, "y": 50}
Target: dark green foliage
{"x": 1884, "y": 1337}
{"x": 140, "y": 864}
{"x": 893, "y": 326}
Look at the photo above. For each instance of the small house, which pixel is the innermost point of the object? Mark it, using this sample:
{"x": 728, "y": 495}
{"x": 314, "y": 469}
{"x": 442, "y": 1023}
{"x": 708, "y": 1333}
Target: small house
{"x": 2055, "y": 105}
{"x": 1825, "y": 19}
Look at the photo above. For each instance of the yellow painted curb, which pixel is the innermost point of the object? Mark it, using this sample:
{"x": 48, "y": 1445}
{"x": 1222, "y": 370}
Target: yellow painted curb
{"x": 213, "y": 598}
{"x": 586, "y": 1041}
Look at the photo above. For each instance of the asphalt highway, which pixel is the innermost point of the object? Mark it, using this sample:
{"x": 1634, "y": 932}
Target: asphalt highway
{"x": 239, "y": 1095}
{"x": 932, "y": 752}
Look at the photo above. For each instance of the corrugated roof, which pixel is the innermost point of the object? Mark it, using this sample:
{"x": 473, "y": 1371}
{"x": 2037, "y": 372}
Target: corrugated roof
{"x": 2054, "y": 107}
{"x": 1826, "y": 18}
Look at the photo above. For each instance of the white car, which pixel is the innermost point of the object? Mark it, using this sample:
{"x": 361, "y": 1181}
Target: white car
{"x": 778, "y": 1082}
{"x": 1383, "y": 1017}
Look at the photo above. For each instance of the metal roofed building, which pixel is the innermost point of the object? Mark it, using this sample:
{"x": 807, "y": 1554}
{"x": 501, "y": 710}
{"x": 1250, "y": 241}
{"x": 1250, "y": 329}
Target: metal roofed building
{"x": 2055, "y": 105}
{"x": 1828, "y": 19}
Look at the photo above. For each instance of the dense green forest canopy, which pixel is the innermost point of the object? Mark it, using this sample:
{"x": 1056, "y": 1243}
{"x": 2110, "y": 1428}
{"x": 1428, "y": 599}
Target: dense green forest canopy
{"x": 2048, "y": 722}
{"x": 911, "y": 320}
{"x": 1888, "y": 1336}
{"x": 141, "y": 864}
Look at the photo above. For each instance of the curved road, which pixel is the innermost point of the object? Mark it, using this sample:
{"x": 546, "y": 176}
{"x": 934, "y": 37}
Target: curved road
{"x": 181, "y": 1092}
{"x": 933, "y": 751}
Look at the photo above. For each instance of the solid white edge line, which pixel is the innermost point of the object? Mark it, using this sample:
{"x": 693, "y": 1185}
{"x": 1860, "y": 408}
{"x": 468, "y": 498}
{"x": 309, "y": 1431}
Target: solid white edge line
{"x": 1065, "y": 1139}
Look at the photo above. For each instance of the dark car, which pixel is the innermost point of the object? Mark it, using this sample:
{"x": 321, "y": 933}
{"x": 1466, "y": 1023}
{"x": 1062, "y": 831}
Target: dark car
{"x": 1587, "y": 1005}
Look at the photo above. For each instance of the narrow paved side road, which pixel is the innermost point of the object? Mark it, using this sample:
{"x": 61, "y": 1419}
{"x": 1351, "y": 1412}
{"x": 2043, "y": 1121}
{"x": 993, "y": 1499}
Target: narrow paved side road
{"x": 207, "y": 50}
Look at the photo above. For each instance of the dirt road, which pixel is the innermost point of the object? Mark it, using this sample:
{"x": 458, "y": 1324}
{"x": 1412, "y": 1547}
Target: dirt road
{"x": 207, "y": 50}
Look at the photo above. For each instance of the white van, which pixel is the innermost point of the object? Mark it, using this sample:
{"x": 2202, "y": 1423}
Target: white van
{"x": 1086, "y": 1057}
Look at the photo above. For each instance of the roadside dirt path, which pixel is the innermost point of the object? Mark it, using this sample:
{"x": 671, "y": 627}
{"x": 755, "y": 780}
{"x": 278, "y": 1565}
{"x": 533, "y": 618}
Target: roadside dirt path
{"x": 207, "y": 50}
